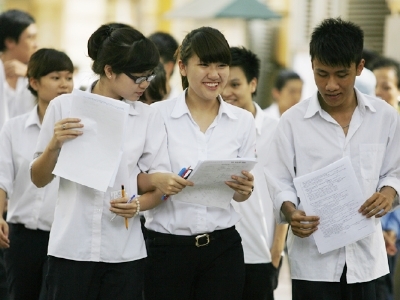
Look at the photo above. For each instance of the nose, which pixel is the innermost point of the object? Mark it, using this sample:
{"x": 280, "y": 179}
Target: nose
{"x": 331, "y": 85}
{"x": 213, "y": 72}
{"x": 144, "y": 84}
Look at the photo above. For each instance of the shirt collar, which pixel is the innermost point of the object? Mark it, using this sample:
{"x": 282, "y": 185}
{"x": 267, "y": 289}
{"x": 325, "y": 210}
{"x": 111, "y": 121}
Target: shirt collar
{"x": 33, "y": 118}
{"x": 181, "y": 108}
{"x": 259, "y": 118}
{"x": 362, "y": 103}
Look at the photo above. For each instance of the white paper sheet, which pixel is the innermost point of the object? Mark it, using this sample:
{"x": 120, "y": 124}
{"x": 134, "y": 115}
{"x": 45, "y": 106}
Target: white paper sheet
{"x": 334, "y": 195}
{"x": 209, "y": 178}
{"x": 92, "y": 159}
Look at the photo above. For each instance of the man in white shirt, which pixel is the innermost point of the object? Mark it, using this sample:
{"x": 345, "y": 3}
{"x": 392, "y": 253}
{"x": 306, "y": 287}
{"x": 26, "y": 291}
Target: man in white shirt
{"x": 337, "y": 122}
{"x": 262, "y": 240}
{"x": 17, "y": 43}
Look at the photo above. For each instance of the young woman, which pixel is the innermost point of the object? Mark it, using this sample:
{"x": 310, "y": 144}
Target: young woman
{"x": 200, "y": 125}
{"x": 30, "y": 210}
{"x": 90, "y": 256}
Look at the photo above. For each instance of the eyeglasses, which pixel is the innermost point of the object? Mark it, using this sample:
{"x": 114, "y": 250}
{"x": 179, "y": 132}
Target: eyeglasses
{"x": 140, "y": 79}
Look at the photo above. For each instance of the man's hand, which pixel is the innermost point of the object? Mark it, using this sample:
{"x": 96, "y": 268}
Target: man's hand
{"x": 15, "y": 68}
{"x": 302, "y": 225}
{"x": 4, "y": 241}
{"x": 379, "y": 203}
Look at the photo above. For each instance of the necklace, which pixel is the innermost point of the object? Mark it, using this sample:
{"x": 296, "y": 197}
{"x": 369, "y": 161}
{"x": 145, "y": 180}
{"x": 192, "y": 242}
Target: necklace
{"x": 344, "y": 127}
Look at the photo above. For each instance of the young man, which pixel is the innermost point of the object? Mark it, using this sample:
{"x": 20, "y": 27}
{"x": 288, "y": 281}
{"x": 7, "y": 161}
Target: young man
{"x": 262, "y": 240}
{"x": 167, "y": 45}
{"x": 17, "y": 43}
{"x": 338, "y": 121}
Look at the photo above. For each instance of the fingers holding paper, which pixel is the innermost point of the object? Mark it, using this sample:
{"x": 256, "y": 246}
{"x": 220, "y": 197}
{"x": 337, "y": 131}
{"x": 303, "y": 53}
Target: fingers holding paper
{"x": 242, "y": 185}
{"x": 302, "y": 225}
{"x": 377, "y": 205}
{"x": 66, "y": 129}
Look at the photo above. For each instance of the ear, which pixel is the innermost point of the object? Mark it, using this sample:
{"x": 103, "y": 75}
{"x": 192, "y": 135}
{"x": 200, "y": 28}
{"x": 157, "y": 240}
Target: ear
{"x": 9, "y": 43}
{"x": 182, "y": 68}
{"x": 108, "y": 71}
{"x": 34, "y": 83}
{"x": 253, "y": 84}
{"x": 360, "y": 67}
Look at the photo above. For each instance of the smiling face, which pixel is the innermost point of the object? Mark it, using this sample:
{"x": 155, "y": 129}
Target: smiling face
{"x": 238, "y": 91}
{"x": 336, "y": 84}
{"x": 386, "y": 85}
{"x": 206, "y": 80}
{"x": 52, "y": 85}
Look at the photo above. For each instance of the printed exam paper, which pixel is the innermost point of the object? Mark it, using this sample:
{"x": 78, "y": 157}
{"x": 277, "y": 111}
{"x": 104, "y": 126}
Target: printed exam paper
{"x": 92, "y": 159}
{"x": 333, "y": 194}
{"x": 209, "y": 178}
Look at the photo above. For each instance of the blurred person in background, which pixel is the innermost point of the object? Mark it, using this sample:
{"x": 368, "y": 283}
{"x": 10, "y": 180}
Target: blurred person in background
{"x": 167, "y": 46}
{"x": 18, "y": 33}
{"x": 157, "y": 88}
{"x": 30, "y": 213}
{"x": 387, "y": 71}
{"x": 366, "y": 82}
{"x": 263, "y": 240}
{"x": 286, "y": 93}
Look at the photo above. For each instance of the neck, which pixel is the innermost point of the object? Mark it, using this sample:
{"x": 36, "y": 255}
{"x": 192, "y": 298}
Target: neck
{"x": 197, "y": 104}
{"x": 252, "y": 108}
{"x": 102, "y": 88}
{"x": 42, "y": 107}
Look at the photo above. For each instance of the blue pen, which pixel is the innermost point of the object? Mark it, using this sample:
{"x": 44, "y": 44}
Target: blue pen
{"x": 180, "y": 174}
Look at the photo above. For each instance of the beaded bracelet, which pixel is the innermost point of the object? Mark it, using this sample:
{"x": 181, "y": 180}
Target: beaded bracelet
{"x": 137, "y": 206}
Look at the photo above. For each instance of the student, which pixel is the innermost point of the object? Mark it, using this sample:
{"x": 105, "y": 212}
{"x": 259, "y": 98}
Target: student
{"x": 30, "y": 210}
{"x": 338, "y": 121}
{"x": 263, "y": 241}
{"x": 200, "y": 125}
{"x": 167, "y": 46}
{"x": 18, "y": 33}
{"x": 90, "y": 256}
{"x": 386, "y": 71}
{"x": 286, "y": 93}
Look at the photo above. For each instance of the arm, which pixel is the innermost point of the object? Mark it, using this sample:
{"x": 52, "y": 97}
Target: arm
{"x": 167, "y": 183}
{"x": 43, "y": 166}
{"x": 278, "y": 243}
{"x": 4, "y": 241}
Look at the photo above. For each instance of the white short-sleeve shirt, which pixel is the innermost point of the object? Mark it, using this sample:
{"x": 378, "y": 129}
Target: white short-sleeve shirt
{"x": 231, "y": 135}
{"x": 257, "y": 225}
{"x": 27, "y": 204}
{"x": 82, "y": 229}
{"x": 307, "y": 139}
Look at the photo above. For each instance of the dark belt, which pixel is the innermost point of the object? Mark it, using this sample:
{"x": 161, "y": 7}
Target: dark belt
{"x": 199, "y": 240}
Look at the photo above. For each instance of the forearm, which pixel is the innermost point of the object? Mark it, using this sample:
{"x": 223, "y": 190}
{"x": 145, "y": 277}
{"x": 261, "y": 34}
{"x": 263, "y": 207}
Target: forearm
{"x": 145, "y": 184}
{"x": 287, "y": 208}
{"x": 278, "y": 243}
{"x": 42, "y": 168}
{"x": 3, "y": 202}
{"x": 240, "y": 197}
{"x": 150, "y": 200}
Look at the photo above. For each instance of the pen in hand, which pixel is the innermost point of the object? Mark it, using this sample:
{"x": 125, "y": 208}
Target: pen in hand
{"x": 182, "y": 173}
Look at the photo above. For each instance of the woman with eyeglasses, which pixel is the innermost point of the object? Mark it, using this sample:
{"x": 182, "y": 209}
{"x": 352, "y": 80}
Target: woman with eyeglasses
{"x": 93, "y": 255}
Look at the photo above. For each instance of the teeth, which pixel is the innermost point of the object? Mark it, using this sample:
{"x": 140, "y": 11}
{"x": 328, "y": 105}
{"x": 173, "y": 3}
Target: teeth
{"x": 211, "y": 84}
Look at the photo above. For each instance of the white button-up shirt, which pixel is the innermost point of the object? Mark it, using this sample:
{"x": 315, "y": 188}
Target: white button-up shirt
{"x": 257, "y": 225}
{"x": 308, "y": 139}
{"x": 27, "y": 204}
{"x": 19, "y": 100}
{"x": 231, "y": 135}
{"x": 82, "y": 228}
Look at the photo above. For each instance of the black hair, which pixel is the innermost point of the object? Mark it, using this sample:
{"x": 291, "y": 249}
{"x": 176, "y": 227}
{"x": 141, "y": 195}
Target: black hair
{"x": 335, "y": 42}
{"x": 209, "y": 44}
{"x": 385, "y": 62}
{"x": 12, "y": 23}
{"x": 157, "y": 88}
{"x": 283, "y": 77}
{"x": 125, "y": 49}
{"x": 166, "y": 45}
{"x": 247, "y": 61}
{"x": 45, "y": 61}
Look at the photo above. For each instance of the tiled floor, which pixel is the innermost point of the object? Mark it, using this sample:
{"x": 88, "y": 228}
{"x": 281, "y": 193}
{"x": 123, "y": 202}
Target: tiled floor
{"x": 284, "y": 290}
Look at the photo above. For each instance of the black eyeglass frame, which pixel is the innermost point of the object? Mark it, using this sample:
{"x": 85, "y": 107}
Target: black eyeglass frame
{"x": 140, "y": 79}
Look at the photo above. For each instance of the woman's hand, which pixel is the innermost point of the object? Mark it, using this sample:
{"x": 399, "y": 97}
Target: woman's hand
{"x": 121, "y": 207}
{"x": 66, "y": 129}
{"x": 242, "y": 185}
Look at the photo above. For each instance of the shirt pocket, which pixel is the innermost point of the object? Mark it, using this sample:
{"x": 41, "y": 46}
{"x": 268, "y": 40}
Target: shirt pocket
{"x": 371, "y": 158}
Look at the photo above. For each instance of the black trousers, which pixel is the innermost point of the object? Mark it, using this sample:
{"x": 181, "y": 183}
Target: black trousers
{"x": 83, "y": 280}
{"x": 25, "y": 261}
{"x": 261, "y": 281}
{"x": 317, "y": 290}
{"x": 177, "y": 269}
